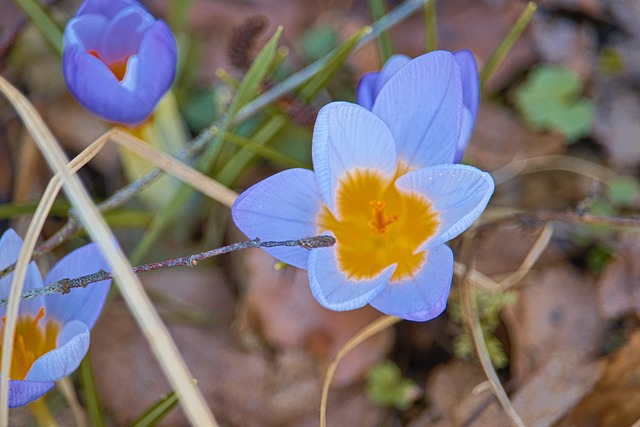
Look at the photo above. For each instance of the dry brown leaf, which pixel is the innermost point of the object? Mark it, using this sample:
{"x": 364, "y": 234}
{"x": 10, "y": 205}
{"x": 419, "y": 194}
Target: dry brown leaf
{"x": 499, "y": 138}
{"x": 279, "y": 306}
{"x": 618, "y": 291}
{"x": 555, "y": 313}
{"x": 614, "y": 400}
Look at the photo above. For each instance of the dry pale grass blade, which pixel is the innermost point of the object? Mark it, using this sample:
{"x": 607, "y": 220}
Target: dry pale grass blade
{"x": 556, "y": 163}
{"x": 475, "y": 277}
{"x": 174, "y": 167}
{"x": 145, "y": 314}
{"x": 470, "y": 312}
{"x": 378, "y": 325}
{"x": 532, "y": 257}
{"x": 66, "y": 387}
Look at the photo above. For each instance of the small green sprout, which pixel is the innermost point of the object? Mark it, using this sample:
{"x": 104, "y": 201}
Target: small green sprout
{"x": 387, "y": 387}
{"x": 550, "y": 101}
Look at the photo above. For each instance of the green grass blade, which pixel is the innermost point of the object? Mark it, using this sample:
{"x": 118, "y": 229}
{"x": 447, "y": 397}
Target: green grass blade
{"x": 90, "y": 393}
{"x": 507, "y": 43}
{"x": 430, "y": 26}
{"x": 43, "y": 23}
{"x": 331, "y": 66}
{"x": 241, "y": 159}
{"x": 255, "y": 75}
{"x": 378, "y": 9}
{"x": 157, "y": 411}
{"x": 266, "y": 152}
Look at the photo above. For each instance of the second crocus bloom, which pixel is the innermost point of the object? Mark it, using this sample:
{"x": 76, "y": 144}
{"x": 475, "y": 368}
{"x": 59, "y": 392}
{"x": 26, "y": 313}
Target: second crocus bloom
{"x": 52, "y": 334}
{"x": 118, "y": 60}
{"x": 385, "y": 187}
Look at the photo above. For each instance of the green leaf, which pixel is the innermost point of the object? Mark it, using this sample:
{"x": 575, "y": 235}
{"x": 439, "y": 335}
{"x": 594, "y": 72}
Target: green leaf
{"x": 550, "y": 101}
{"x": 378, "y": 9}
{"x": 623, "y": 191}
{"x": 387, "y": 387}
{"x": 251, "y": 82}
{"x": 318, "y": 42}
{"x": 336, "y": 59}
{"x": 90, "y": 393}
{"x": 157, "y": 411}
{"x": 46, "y": 26}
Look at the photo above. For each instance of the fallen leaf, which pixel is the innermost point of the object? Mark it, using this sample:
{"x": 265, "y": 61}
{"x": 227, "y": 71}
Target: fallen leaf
{"x": 618, "y": 292}
{"x": 614, "y": 400}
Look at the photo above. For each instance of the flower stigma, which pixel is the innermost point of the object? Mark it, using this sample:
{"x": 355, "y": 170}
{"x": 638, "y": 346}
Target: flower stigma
{"x": 31, "y": 341}
{"x": 376, "y": 225}
{"x": 118, "y": 67}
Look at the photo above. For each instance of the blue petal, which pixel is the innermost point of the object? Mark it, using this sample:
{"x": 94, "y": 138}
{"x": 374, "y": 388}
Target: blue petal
{"x": 347, "y": 136}
{"x": 124, "y": 34}
{"x": 281, "y": 207}
{"x": 366, "y": 90}
{"x": 424, "y": 296}
{"x": 73, "y": 344}
{"x": 24, "y": 392}
{"x": 334, "y": 290}
{"x": 470, "y": 81}
{"x": 459, "y": 194}
{"x": 85, "y": 32}
{"x": 83, "y": 304}
{"x": 470, "y": 98}
{"x": 10, "y": 245}
{"x": 108, "y": 8}
{"x": 422, "y": 105}
{"x": 371, "y": 83}
{"x": 149, "y": 76}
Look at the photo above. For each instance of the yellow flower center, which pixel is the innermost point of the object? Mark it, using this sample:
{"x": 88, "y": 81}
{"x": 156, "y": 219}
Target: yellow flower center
{"x": 377, "y": 225}
{"x": 118, "y": 67}
{"x": 31, "y": 341}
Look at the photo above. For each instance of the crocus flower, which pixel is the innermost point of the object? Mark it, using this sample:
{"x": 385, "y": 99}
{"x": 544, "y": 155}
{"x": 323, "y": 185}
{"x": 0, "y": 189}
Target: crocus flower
{"x": 118, "y": 60}
{"x": 371, "y": 85}
{"x": 52, "y": 334}
{"x": 382, "y": 188}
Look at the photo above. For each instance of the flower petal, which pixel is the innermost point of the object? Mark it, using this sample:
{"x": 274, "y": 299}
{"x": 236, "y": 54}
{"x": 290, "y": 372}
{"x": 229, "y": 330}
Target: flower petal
{"x": 73, "y": 344}
{"x": 458, "y": 193}
{"x": 424, "y": 296}
{"x": 108, "y": 8}
{"x": 84, "y": 304}
{"x": 281, "y": 207}
{"x": 24, "y": 392}
{"x": 366, "y": 90}
{"x": 470, "y": 98}
{"x": 85, "y": 32}
{"x": 10, "y": 245}
{"x": 422, "y": 105}
{"x": 370, "y": 84}
{"x": 470, "y": 81}
{"x": 149, "y": 76}
{"x": 124, "y": 33}
{"x": 334, "y": 290}
{"x": 347, "y": 136}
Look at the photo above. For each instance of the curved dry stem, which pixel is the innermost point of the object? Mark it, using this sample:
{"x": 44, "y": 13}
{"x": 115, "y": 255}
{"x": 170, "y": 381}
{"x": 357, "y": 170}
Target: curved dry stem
{"x": 378, "y": 325}
{"x": 470, "y": 312}
{"x": 147, "y": 317}
{"x": 553, "y": 163}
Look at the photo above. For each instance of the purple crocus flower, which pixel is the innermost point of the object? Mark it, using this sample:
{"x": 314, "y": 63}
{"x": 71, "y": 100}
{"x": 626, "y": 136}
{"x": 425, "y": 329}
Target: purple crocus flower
{"x": 385, "y": 187}
{"x": 371, "y": 85}
{"x": 52, "y": 335}
{"x": 118, "y": 60}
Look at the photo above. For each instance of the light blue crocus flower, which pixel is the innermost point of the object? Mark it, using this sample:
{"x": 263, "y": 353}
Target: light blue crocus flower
{"x": 118, "y": 60}
{"x": 371, "y": 84}
{"x": 385, "y": 187}
{"x": 52, "y": 334}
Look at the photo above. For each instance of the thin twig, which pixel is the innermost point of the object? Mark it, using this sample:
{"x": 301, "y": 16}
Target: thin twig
{"x": 65, "y": 285}
{"x": 470, "y": 312}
